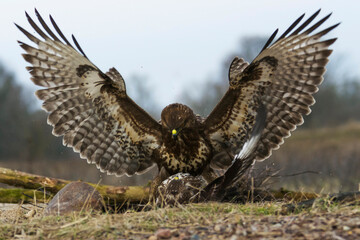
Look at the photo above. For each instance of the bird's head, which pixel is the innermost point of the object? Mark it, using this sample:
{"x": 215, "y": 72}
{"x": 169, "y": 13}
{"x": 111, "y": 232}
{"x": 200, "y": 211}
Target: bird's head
{"x": 177, "y": 118}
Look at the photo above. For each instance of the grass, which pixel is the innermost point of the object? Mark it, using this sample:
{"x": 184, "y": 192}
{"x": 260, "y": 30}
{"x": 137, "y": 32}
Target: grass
{"x": 204, "y": 219}
{"x": 105, "y": 225}
{"x": 327, "y": 157}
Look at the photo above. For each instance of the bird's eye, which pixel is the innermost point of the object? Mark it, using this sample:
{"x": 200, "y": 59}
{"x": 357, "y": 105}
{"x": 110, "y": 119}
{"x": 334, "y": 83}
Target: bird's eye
{"x": 174, "y": 132}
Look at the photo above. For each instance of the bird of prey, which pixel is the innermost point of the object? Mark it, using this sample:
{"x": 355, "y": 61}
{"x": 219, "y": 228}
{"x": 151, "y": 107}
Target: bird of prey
{"x": 265, "y": 101}
{"x": 182, "y": 188}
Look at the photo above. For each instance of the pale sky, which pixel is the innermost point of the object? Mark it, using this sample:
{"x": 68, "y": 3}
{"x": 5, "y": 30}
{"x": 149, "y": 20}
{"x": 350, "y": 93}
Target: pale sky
{"x": 173, "y": 43}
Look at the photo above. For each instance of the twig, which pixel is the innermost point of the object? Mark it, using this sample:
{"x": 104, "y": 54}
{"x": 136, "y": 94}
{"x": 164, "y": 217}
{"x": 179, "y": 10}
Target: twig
{"x": 74, "y": 223}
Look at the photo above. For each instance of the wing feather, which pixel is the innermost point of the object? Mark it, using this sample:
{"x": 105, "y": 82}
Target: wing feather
{"x": 90, "y": 109}
{"x": 283, "y": 78}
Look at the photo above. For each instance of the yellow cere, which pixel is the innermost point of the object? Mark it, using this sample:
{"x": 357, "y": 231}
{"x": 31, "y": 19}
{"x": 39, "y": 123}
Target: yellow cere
{"x": 176, "y": 178}
{"x": 174, "y": 132}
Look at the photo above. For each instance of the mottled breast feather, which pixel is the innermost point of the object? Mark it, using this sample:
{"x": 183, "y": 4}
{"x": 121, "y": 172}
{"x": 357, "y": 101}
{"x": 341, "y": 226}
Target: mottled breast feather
{"x": 90, "y": 109}
{"x": 187, "y": 152}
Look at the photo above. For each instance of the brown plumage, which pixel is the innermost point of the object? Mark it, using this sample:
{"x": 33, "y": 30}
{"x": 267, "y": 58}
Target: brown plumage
{"x": 95, "y": 116}
{"x": 180, "y": 188}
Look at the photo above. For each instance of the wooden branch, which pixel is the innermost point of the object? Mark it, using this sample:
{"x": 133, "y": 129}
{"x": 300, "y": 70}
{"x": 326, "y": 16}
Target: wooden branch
{"x": 31, "y": 181}
{"x": 132, "y": 194}
{"x": 283, "y": 194}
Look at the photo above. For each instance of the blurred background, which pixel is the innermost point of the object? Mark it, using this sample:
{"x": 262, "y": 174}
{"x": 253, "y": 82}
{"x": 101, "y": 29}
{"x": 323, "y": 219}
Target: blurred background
{"x": 180, "y": 52}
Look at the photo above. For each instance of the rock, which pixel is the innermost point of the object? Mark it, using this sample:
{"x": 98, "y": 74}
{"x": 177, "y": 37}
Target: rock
{"x": 74, "y": 197}
{"x": 346, "y": 228}
{"x": 195, "y": 237}
{"x": 163, "y": 233}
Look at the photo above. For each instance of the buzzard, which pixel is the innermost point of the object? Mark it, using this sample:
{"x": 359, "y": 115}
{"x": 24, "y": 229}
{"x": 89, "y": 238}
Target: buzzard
{"x": 182, "y": 188}
{"x": 265, "y": 101}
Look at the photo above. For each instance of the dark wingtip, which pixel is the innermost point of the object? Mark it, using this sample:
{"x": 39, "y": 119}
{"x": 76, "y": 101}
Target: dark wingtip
{"x": 59, "y": 31}
{"x": 270, "y": 40}
{"x": 37, "y": 13}
{"x": 78, "y": 45}
{"x": 327, "y": 16}
{"x": 306, "y": 23}
{"x": 292, "y": 26}
{"x": 27, "y": 15}
{"x": 17, "y": 25}
{"x": 337, "y": 24}
{"x": 316, "y": 13}
{"x": 20, "y": 28}
{"x": 334, "y": 26}
{"x": 316, "y": 25}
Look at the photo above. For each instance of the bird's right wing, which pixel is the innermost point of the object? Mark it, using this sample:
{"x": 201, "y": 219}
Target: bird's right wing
{"x": 89, "y": 108}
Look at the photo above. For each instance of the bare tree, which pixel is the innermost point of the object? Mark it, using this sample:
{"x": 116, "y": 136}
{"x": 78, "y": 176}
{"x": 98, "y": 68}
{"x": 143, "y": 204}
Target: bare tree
{"x": 13, "y": 116}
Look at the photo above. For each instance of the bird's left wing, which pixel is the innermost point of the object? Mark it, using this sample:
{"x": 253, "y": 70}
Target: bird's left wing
{"x": 89, "y": 108}
{"x": 283, "y": 79}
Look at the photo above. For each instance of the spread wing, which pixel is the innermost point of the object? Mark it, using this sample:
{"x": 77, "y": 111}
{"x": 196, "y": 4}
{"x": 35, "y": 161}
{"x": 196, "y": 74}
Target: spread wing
{"x": 90, "y": 109}
{"x": 283, "y": 79}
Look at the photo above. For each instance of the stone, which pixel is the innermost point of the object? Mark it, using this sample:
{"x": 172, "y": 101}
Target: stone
{"x": 74, "y": 197}
{"x": 163, "y": 233}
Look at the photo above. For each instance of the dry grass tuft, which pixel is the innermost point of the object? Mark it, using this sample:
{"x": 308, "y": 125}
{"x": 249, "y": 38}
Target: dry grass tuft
{"x": 204, "y": 220}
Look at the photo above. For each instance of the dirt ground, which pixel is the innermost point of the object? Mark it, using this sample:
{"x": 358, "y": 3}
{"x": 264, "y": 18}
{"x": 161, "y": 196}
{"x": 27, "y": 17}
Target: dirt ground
{"x": 193, "y": 222}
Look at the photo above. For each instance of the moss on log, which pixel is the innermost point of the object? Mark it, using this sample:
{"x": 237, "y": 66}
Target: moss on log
{"x": 17, "y": 195}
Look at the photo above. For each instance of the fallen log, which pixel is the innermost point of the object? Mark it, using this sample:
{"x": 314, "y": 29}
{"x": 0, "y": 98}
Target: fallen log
{"x": 31, "y": 181}
{"x": 111, "y": 194}
{"x": 35, "y": 186}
